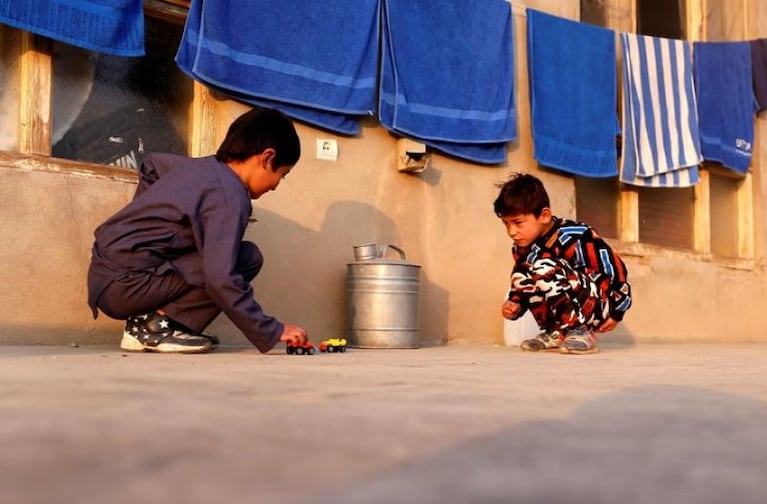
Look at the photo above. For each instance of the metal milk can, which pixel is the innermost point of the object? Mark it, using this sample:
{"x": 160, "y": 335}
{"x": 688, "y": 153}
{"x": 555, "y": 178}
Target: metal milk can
{"x": 382, "y": 300}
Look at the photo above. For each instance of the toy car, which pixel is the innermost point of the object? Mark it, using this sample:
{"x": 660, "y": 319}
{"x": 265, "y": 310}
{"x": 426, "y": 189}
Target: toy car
{"x": 306, "y": 348}
{"x": 333, "y": 345}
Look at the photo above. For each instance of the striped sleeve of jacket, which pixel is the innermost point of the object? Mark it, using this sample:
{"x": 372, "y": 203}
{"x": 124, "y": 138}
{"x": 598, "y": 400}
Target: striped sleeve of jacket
{"x": 589, "y": 252}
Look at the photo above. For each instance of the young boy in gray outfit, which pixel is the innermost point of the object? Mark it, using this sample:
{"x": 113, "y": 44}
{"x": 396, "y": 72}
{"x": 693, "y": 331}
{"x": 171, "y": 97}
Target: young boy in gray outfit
{"x": 174, "y": 258}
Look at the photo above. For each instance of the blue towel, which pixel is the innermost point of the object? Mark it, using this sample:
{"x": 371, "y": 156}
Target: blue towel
{"x": 337, "y": 123}
{"x": 759, "y": 72}
{"x": 573, "y": 94}
{"x": 487, "y": 153}
{"x": 283, "y": 53}
{"x": 725, "y": 102}
{"x": 111, "y": 27}
{"x": 447, "y": 75}
{"x": 661, "y": 147}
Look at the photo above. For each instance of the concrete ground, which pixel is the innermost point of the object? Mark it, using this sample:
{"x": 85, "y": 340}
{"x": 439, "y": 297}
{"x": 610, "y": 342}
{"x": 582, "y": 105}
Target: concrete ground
{"x": 681, "y": 423}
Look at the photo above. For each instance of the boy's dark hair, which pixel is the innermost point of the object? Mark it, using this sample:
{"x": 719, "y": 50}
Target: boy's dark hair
{"x": 257, "y": 130}
{"x": 521, "y": 194}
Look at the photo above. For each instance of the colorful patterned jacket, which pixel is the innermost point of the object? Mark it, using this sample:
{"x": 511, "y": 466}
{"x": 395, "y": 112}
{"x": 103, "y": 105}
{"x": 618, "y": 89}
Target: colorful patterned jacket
{"x": 583, "y": 248}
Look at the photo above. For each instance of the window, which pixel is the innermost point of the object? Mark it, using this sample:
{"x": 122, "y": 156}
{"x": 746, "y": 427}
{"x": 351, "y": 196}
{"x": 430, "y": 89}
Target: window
{"x": 113, "y": 110}
{"x": 724, "y": 213}
{"x": 666, "y": 217}
{"x": 661, "y": 18}
{"x": 596, "y": 202}
{"x": 714, "y": 217}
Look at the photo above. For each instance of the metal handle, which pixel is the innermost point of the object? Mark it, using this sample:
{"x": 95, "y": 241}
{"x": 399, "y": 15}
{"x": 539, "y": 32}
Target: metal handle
{"x": 383, "y": 250}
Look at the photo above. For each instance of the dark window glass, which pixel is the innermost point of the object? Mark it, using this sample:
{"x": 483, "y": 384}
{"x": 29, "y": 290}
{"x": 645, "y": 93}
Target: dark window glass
{"x": 666, "y": 216}
{"x": 113, "y": 110}
{"x": 596, "y": 203}
{"x": 661, "y": 18}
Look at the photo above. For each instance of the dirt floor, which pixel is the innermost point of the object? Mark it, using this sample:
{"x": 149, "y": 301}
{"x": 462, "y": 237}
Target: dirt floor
{"x": 654, "y": 424}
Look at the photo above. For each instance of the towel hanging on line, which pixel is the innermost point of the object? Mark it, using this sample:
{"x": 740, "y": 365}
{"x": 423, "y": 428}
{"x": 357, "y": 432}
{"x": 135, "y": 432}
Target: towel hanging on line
{"x": 661, "y": 144}
{"x": 573, "y": 94}
{"x": 114, "y": 27}
{"x": 447, "y": 76}
{"x": 281, "y": 54}
{"x": 725, "y": 102}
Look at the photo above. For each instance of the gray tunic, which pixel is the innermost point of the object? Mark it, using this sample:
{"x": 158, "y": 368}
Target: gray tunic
{"x": 188, "y": 216}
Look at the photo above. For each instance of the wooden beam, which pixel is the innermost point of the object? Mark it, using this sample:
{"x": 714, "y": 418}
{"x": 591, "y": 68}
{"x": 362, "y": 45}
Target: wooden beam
{"x": 35, "y": 71}
{"x": 42, "y": 163}
{"x": 746, "y": 218}
{"x": 202, "y": 120}
{"x": 702, "y": 214}
{"x": 629, "y": 215}
{"x": 167, "y": 10}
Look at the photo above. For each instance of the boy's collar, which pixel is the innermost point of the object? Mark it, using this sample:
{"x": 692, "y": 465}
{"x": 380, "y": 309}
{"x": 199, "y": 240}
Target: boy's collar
{"x": 547, "y": 235}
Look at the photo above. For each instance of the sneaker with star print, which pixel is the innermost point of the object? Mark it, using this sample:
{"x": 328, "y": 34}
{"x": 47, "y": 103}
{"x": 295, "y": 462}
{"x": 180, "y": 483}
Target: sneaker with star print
{"x": 152, "y": 332}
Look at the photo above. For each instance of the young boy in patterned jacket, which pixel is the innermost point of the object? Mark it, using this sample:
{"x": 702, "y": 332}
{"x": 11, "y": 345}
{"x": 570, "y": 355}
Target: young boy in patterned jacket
{"x": 569, "y": 278}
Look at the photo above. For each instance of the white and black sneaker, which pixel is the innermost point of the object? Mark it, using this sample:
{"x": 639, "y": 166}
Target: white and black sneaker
{"x": 151, "y": 332}
{"x": 214, "y": 341}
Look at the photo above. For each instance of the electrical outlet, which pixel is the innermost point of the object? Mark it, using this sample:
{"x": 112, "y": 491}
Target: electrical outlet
{"x": 327, "y": 149}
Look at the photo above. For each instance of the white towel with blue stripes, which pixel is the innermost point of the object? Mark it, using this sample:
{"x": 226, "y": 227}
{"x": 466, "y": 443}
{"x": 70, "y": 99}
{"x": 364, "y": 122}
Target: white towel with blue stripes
{"x": 661, "y": 138}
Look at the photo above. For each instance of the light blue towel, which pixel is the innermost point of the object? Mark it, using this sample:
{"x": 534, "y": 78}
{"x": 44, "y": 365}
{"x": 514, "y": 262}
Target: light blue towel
{"x": 726, "y": 102}
{"x": 106, "y": 26}
{"x": 284, "y": 53}
{"x": 573, "y": 94}
{"x": 661, "y": 147}
{"x": 447, "y": 76}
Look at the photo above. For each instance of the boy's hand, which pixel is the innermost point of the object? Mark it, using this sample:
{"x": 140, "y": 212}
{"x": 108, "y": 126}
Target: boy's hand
{"x": 510, "y": 309}
{"x": 294, "y": 335}
{"x": 607, "y": 325}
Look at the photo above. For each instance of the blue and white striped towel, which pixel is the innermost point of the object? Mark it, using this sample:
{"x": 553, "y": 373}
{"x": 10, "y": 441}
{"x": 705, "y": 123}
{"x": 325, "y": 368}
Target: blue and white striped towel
{"x": 661, "y": 139}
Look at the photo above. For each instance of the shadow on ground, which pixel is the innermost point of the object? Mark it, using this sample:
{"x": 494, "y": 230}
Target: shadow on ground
{"x": 644, "y": 445}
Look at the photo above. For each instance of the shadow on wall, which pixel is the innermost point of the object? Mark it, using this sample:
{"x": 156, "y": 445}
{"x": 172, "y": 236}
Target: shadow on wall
{"x": 643, "y": 445}
{"x": 303, "y": 280}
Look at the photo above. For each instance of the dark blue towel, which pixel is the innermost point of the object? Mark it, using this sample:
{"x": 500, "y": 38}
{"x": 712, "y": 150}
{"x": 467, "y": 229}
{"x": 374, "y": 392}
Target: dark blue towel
{"x": 106, "y": 26}
{"x": 573, "y": 94}
{"x": 725, "y": 102}
{"x": 759, "y": 72}
{"x": 337, "y": 123}
{"x": 283, "y": 53}
{"x": 447, "y": 76}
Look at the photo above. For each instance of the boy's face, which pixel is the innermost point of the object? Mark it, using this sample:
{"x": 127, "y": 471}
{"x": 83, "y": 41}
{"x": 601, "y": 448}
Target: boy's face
{"x": 267, "y": 181}
{"x": 524, "y": 229}
{"x": 259, "y": 175}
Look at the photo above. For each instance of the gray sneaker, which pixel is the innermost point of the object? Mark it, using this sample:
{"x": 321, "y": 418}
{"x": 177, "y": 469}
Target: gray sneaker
{"x": 579, "y": 340}
{"x": 547, "y": 340}
{"x": 157, "y": 333}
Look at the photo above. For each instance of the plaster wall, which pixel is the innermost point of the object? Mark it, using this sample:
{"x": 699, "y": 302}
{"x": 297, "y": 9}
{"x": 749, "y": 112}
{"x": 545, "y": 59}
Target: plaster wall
{"x": 442, "y": 218}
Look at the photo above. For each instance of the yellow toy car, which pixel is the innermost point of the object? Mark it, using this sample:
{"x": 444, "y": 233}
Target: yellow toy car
{"x": 333, "y": 345}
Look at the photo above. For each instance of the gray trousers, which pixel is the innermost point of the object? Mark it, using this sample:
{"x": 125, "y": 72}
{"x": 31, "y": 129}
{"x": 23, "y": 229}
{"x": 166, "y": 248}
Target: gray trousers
{"x": 144, "y": 292}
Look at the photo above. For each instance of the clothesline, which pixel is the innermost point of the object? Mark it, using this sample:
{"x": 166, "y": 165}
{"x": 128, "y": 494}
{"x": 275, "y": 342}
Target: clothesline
{"x": 421, "y": 92}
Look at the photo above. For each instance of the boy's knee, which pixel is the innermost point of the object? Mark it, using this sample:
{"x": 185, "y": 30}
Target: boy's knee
{"x": 249, "y": 260}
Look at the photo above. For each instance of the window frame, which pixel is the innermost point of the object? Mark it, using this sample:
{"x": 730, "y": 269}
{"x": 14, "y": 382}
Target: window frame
{"x": 34, "y": 129}
{"x": 621, "y": 15}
